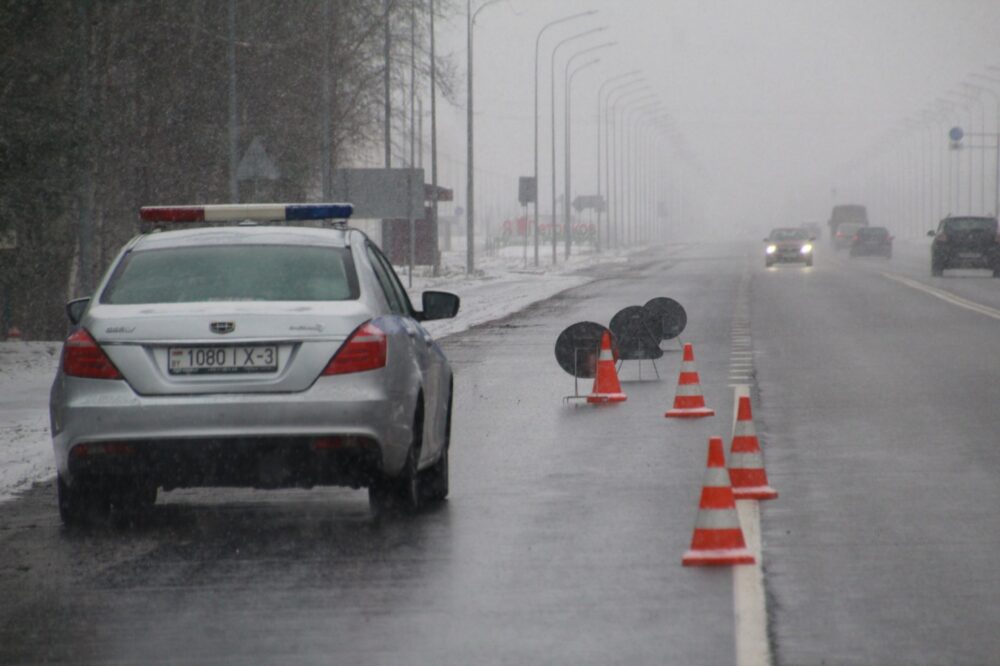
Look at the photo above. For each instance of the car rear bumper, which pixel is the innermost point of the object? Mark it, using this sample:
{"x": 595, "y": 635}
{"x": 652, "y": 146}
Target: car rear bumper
{"x": 249, "y": 439}
{"x": 968, "y": 259}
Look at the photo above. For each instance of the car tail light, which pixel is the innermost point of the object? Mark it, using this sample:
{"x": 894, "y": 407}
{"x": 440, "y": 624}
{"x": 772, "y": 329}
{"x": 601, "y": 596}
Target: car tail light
{"x": 83, "y": 357}
{"x": 366, "y": 349}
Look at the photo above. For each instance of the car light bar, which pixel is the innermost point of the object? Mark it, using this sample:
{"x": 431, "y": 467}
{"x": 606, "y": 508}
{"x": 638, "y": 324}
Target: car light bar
{"x": 239, "y": 212}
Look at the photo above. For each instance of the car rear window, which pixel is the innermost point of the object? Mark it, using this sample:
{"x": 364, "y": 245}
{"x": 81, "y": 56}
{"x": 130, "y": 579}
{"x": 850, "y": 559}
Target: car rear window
{"x": 233, "y": 273}
{"x": 970, "y": 224}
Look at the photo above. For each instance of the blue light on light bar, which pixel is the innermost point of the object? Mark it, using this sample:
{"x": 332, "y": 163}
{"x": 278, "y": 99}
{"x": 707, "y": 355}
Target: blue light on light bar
{"x": 318, "y": 211}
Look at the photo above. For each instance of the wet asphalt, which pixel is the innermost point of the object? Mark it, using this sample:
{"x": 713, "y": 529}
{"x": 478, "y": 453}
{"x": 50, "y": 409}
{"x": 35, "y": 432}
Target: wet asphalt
{"x": 562, "y": 539}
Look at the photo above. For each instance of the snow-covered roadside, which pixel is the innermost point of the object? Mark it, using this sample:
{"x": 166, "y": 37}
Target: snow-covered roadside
{"x": 26, "y": 371}
{"x": 502, "y": 286}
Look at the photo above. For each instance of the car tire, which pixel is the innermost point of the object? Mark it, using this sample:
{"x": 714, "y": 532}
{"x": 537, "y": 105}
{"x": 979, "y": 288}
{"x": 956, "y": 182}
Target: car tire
{"x": 435, "y": 481}
{"x": 405, "y": 491}
{"x": 768, "y": 264}
{"x": 809, "y": 261}
{"x": 81, "y": 504}
{"x": 937, "y": 270}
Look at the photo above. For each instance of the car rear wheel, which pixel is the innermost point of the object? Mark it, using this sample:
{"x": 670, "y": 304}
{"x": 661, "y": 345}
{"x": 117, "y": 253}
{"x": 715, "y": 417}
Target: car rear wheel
{"x": 81, "y": 503}
{"x": 435, "y": 482}
{"x": 809, "y": 261}
{"x": 405, "y": 491}
{"x": 937, "y": 270}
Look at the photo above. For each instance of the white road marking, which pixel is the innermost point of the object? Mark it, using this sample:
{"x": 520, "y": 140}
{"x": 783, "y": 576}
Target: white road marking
{"x": 945, "y": 296}
{"x": 749, "y": 601}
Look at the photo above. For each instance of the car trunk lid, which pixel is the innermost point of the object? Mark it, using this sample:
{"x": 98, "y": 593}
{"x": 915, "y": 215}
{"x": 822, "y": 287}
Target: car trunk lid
{"x": 203, "y": 348}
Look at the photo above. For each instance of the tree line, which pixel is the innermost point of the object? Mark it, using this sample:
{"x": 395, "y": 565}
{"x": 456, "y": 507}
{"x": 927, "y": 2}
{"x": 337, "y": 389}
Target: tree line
{"x": 106, "y": 106}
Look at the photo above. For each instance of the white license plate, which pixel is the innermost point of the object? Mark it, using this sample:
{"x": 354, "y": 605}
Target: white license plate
{"x": 206, "y": 360}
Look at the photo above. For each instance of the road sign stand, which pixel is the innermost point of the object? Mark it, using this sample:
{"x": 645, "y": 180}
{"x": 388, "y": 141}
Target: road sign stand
{"x": 576, "y": 376}
{"x": 621, "y": 364}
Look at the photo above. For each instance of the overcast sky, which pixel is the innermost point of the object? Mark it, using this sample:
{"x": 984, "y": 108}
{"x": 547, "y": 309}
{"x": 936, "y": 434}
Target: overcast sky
{"x": 773, "y": 97}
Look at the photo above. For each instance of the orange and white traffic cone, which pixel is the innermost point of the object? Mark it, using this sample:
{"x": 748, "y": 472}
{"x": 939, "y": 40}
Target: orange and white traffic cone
{"x": 689, "y": 403}
{"x": 746, "y": 461}
{"x": 606, "y": 386}
{"x": 718, "y": 537}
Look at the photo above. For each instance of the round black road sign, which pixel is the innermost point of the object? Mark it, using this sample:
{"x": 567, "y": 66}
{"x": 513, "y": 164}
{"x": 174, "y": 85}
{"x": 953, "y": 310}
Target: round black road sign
{"x": 638, "y": 332}
{"x": 578, "y": 347}
{"x": 670, "y": 314}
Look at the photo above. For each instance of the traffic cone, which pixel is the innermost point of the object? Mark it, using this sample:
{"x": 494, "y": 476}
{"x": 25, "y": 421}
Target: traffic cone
{"x": 689, "y": 402}
{"x": 606, "y": 386}
{"x": 718, "y": 537}
{"x": 746, "y": 461}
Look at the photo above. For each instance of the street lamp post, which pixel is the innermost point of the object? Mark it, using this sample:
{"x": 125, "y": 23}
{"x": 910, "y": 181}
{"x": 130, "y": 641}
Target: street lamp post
{"x": 552, "y": 102}
{"x": 470, "y": 199}
{"x": 567, "y": 141}
{"x": 624, "y": 200}
{"x": 634, "y": 166}
{"x": 996, "y": 137}
{"x": 608, "y": 162}
{"x": 567, "y": 107}
{"x": 611, "y": 131}
{"x": 600, "y": 98}
{"x": 538, "y": 41}
{"x": 968, "y": 97}
{"x": 947, "y": 108}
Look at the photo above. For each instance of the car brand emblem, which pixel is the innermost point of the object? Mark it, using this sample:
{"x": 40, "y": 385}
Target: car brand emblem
{"x": 222, "y": 327}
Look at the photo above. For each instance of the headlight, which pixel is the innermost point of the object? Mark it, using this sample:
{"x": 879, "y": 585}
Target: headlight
{"x": 807, "y": 248}
{"x": 771, "y": 249}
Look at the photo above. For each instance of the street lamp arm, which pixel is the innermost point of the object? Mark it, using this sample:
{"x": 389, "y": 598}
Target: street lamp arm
{"x": 481, "y": 8}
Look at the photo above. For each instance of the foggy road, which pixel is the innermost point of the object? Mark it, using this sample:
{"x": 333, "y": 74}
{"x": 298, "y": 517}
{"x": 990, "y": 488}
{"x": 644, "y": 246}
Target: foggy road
{"x": 563, "y": 535}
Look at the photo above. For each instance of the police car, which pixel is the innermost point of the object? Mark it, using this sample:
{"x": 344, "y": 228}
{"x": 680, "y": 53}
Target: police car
{"x": 261, "y": 345}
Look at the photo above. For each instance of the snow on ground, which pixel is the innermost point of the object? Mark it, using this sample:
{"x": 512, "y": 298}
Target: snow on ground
{"x": 26, "y": 371}
{"x": 502, "y": 285}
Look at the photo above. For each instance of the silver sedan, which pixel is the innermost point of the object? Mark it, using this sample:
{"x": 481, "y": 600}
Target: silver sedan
{"x": 250, "y": 355}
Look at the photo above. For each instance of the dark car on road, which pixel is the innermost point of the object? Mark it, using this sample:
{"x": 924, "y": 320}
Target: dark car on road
{"x": 871, "y": 241}
{"x": 788, "y": 244}
{"x": 965, "y": 242}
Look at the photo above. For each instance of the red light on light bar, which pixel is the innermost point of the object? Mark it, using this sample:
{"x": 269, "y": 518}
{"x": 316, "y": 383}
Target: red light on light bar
{"x": 172, "y": 213}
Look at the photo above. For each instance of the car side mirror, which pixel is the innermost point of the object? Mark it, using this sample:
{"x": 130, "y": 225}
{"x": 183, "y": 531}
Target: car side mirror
{"x": 930, "y": 233}
{"x": 439, "y": 305}
{"x": 76, "y": 308}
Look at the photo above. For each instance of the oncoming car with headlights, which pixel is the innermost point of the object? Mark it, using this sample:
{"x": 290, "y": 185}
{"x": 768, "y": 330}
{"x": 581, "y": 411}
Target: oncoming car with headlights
{"x": 788, "y": 244}
{"x": 270, "y": 349}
